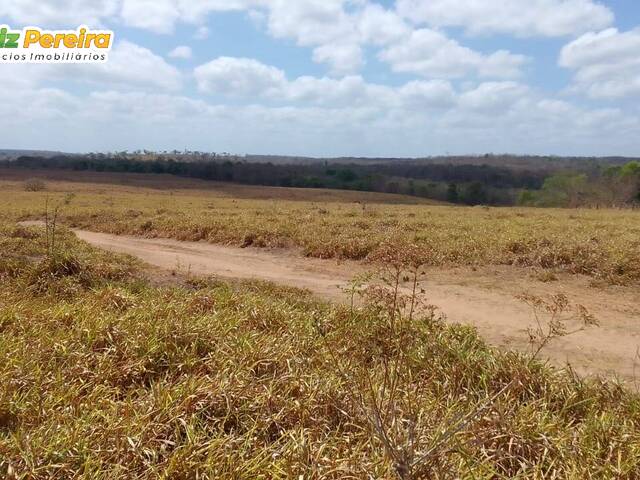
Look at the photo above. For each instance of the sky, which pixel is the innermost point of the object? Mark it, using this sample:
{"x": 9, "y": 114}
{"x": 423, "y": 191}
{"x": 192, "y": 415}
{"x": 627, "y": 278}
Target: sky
{"x": 396, "y": 78}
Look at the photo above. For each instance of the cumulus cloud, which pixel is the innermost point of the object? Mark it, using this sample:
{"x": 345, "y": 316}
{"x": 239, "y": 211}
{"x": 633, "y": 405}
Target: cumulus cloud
{"x": 310, "y": 22}
{"x": 184, "y": 52}
{"x": 148, "y": 107}
{"x": 493, "y": 97}
{"x": 430, "y": 53}
{"x": 64, "y": 13}
{"x": 238, "y": 76}
{"x": 157, "y": 16}
{"x": 343, "y": 58}
{"x": 549, "y": 18}
{"x": 242, "y": 77}
{"x": 419, "y": 94}
{"x": 110, "y": 119}
{"x": 337, "y": 31}
{"x": 526, "y": 122}
{"x": 136, "y": 94}
{"x": 379, "y": 26}
{"x": 322, "y": 24}
{"x": 130, "y": 66}
{"x": 161, "y": 16}
{"x": 351, "y": 91}
{"x": 36, "y": 105}
{"x": 606, "y": 64}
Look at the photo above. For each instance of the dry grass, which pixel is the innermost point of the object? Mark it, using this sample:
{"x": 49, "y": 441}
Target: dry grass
{"x": 34, "y": 185}
{"x": 103, "y": 375}
{"x": 604, "y": 244}
{"x": 90, "y": 181}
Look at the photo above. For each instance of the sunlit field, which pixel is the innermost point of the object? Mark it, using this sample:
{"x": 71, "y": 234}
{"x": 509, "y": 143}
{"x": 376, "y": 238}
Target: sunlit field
{"x": 604, "y": 243}
{"x": 106, "y": 372}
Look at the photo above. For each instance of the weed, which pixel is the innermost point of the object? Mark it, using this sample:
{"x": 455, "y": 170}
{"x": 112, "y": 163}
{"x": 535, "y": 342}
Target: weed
{"x": 34, "y": 185}
{"x": 551, "y": 317}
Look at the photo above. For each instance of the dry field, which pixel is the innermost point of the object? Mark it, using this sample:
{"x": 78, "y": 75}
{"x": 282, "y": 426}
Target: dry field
{"x": 602, "y": 244}
{"x": 110, "y": 370}
{"x": 106, "y": 373}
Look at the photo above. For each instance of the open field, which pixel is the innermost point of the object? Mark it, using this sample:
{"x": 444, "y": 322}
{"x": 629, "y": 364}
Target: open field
{"x": 110, "y": 370}
{"x": 108, "y": 373}
{"x": 69, "y": 181}
{"x": 483, "y": 297}
{"x": 603, "y": 244}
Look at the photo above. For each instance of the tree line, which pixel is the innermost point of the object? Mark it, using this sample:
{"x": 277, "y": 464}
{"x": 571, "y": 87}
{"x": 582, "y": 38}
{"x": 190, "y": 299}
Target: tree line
{"x": 615, "y": 186}
{"x": 468, "y": 184}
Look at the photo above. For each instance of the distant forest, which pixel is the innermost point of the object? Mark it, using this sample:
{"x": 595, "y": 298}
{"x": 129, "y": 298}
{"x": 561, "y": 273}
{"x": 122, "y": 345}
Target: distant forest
{"x": 489, "y": 180}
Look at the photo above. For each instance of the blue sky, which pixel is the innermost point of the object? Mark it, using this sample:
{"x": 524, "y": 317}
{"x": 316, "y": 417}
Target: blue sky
{"x": 335, "y": 77}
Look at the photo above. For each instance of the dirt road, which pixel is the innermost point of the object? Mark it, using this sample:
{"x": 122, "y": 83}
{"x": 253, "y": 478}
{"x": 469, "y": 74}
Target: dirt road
{"x": 484, "y": 298}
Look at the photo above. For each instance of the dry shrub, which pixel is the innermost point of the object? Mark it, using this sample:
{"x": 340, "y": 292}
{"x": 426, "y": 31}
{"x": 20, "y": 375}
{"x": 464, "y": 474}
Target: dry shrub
{"x": 553, "y": 319}
{"x": 34, "y": 185}
{"x": 26, "y": 233}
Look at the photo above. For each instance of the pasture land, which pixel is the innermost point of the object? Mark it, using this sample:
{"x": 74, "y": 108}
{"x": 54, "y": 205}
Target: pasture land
{"x": 602, "y": 244}
{"x": 106, "y": 372}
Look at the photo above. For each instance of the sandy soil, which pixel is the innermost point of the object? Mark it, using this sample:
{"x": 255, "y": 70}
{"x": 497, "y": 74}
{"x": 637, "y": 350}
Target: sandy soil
{"x": 482, "y": 297}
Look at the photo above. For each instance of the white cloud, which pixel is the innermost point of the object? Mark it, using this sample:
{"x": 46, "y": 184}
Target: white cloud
{"x": 108, "y": 120}
{"x": 379, "y": 26}
{"x": 148, "y": 107}
{"x": 161, "y": 16}
{"x": 33, "y": 106}
{"x": 133, "y": 66}
{"x": 493, "y": 97}
{"x": 337, "y": 31}
{"x": 242, "y": 77}
{"x": 135, "y": 92}
{"x": 607, "y": 63}
{"x": 62, "y": 13}
{"x": 524, "y": 18}
{"x": 422, "y": 94}
{"x": 431, "y": 54}
{"x": 155, "y": 15}
{"x": 130, "y": 66}
{"x": 238, "y": 76}
{"x": 310, "y": 22}
{"x": 508, "y": 117}
{"x": 351, "y": 91}
{"x": 475, "y": 108}
{"x": 184, "y": 52}
{"x": 342, "y": 58}
{"x": 323, "y": 24}
{"x": 202, "y": 33}
{"x": 335, "y": 34}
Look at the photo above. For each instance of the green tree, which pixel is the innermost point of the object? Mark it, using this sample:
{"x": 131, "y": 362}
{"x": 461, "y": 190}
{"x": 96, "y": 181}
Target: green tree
{"x": 452, "y": 193}
{"x": 630, "y": 170}
{"x": 565, "y": 190}
{"x": 474, "y": 194}
{"x": 527, "y": 198}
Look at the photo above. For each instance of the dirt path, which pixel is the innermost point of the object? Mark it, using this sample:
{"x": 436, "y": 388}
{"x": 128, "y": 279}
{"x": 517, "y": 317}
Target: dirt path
{"x": 483, "y": 297}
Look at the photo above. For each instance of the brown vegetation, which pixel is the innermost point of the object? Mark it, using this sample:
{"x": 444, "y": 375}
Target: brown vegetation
{"x": 103, "y": 375}
{"x": 603, "y": 243}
